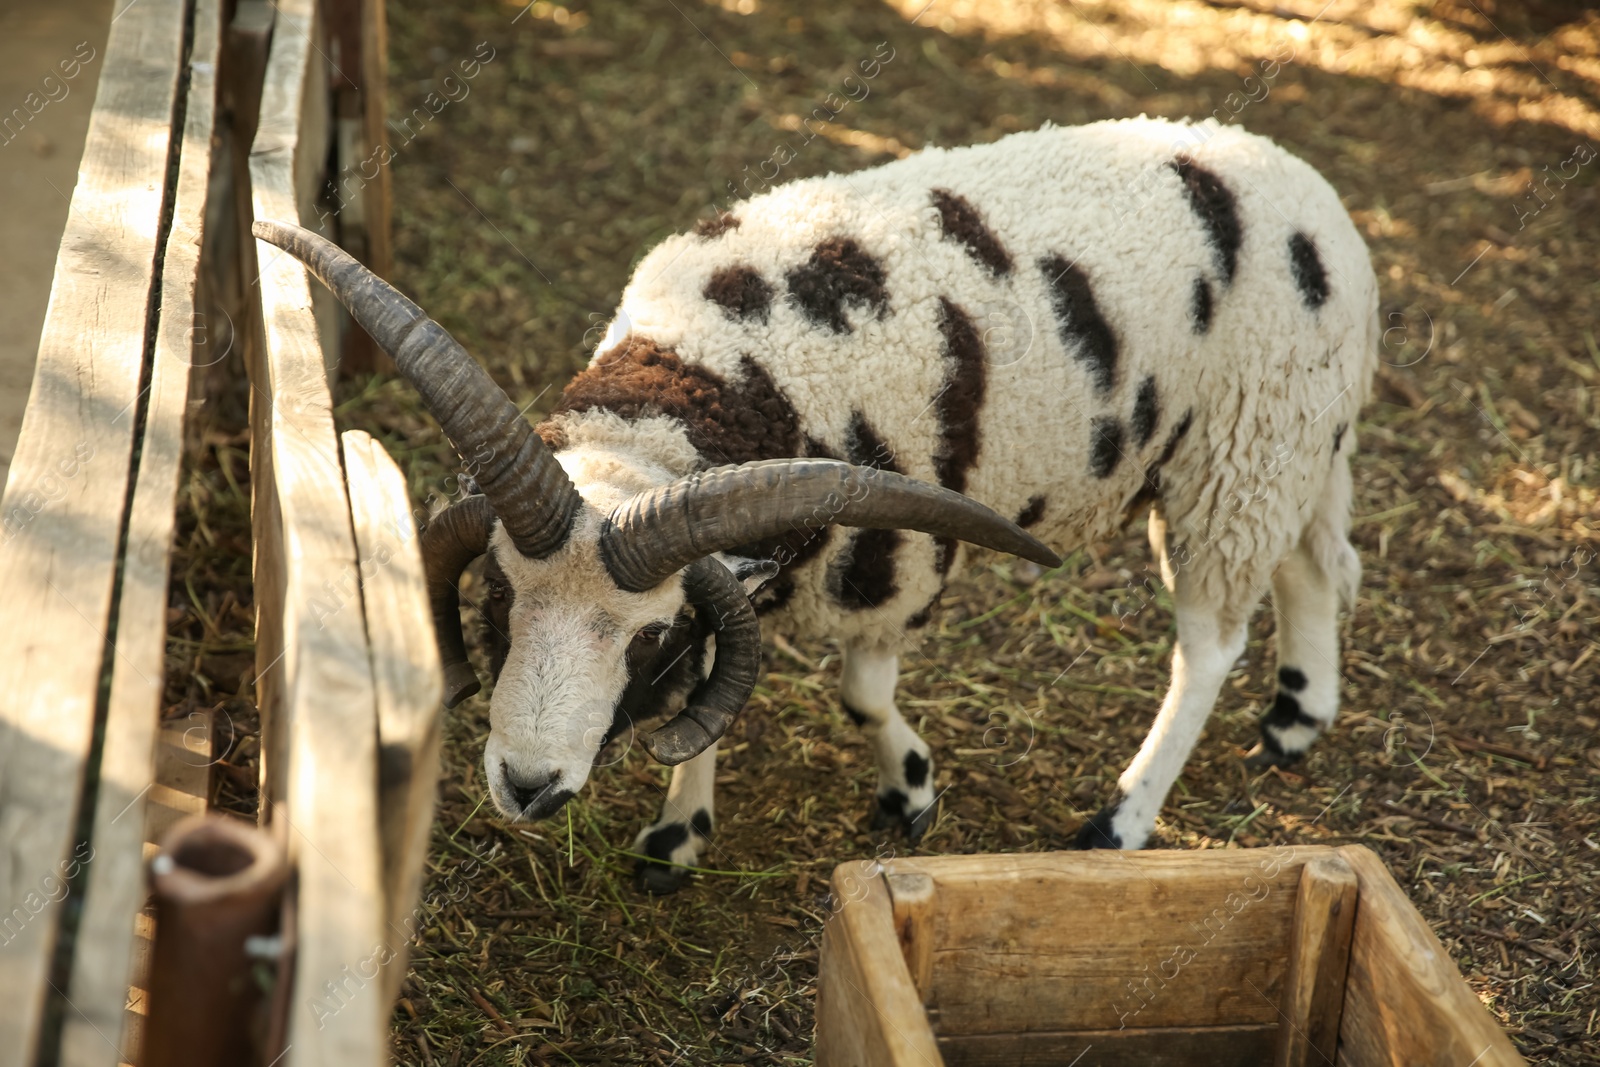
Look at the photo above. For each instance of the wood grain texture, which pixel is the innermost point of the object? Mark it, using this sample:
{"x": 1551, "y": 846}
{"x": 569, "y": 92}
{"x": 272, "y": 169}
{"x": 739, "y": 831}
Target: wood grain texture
{"x": 1204, "y": 1046}
{"x": 1406, "y": 1004}
{"x": 408, "y": 681}
{"x": 323, "y": 736}
{"x": 1319, "y": 956}
{"x": 66, "y": 495}
{"x": 1109, "y": 940}
{"x": 868, "y": 1010}
{"x": 913, "y": 898}
{"x": 116, "y": 891}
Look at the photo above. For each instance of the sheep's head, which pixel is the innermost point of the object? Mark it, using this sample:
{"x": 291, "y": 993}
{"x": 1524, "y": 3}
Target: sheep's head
{"x": 588, "y": 600}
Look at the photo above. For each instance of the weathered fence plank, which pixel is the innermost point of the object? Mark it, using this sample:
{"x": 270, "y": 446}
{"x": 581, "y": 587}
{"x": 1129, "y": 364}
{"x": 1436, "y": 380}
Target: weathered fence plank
{"x": 61, "y": 520}
{"x": 318, "y": 704}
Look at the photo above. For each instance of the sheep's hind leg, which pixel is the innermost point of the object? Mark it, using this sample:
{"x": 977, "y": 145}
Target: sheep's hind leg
{"x": 683, "y": 830}
{"x": 1306, "y": 603}
{"x": 905, "y": 769}
{"x": 1207, "y": 648}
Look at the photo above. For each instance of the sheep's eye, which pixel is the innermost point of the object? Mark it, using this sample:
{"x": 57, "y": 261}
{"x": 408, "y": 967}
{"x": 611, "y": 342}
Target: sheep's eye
{"x": 652, "y": 632}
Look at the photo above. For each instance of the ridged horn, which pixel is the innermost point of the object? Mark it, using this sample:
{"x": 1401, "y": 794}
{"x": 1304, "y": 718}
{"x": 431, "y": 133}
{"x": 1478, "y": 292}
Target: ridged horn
{"x": 530, "y": 492}
{"x": 715, "y": 702}
{"x": 454, "y": 538}
{"x": 656, "y": 533}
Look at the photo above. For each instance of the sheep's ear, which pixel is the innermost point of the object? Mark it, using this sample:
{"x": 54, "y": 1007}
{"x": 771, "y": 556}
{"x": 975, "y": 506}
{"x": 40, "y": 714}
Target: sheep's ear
{"x": 751, "y": 573}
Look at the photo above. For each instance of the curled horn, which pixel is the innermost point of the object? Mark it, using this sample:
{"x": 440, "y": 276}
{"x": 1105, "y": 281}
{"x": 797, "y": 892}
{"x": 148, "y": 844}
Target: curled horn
{"x": 454, "y": 538}
{"x": 531, "y": 494}
{"x": 717, "y": 595}
{"x": 656, "y": 533}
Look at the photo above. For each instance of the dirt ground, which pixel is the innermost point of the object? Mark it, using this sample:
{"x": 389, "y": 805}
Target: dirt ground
{"x": 1465, "y": 139}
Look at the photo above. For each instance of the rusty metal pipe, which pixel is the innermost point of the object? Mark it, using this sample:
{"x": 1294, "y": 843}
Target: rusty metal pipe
{"x": 217, "y": 882}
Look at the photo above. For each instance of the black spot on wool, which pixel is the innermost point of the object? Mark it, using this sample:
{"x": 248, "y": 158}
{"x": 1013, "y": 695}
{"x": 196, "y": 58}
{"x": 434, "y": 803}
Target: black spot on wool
{"x": 863, "y": 574}
{"x": 1105, "y": 445}
{"x": 1218, "y": 211}
{"x": 960, "y": 398}
{"x": 960, "y": 221}
{"x": 1200, "y": 308}
{"x": 1150, "y": 491}
{"x": 1084, "y": 331}
{"x": 1032, "y": 513}
{"x": 1292, "y": 678}
{"x": 717, "y": 225}
{"x": 1309, "y": 276}
{"x": 916, "y": 768}
{"x": 1146, "y": 412}
{"x": 839, "y": 274}
{"x": 740, "y": 292}
{"x": 923, "y": 615}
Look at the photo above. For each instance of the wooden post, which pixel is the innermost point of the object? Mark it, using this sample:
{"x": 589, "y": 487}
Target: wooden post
{"x": 868, "y": 1011}
{"x": 62, "y": 517}
{"x": 1319, "y": 954}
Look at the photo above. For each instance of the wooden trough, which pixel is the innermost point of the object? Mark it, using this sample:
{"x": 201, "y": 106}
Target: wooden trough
{"x": 1287, "y": 956}
{"x": 209, "y": 113}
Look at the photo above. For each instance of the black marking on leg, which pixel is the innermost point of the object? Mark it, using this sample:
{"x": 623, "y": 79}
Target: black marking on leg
{"x": 960, "y": 221}
{"x": 1338, "y": 437}
{"x": 839, "y": 274}
{"x": 1292, "y": 678}
{"x": 1200, "y": 306}
{"x": 1286, "y": 712}
{"x": 1309, "y": 275}
{"x": 1032, "y": 513}
{"x": 916, "y": 768}
{"x": 1218, "y": 211}
{"x": 1097, "y": 832}
{"x": 701, "y": 823}
{"x": 740, "y": 292}
{"x": 1146, "y": 412}
{"x": 656, "y": 875}
{"x": 1083, "y": 330}
{"x": 1105, "y": 445}
{"x": 891, "y": 810}
{"x": 855, "y": 716}
{"x": 959, "y": 397}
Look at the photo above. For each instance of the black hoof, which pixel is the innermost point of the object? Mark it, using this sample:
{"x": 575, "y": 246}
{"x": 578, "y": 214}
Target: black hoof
{"x": 891, "y": 814}
{"x": 658, "y": 879}
{"x": 1263, "y": 756}
{"x": 1097, "y": 832}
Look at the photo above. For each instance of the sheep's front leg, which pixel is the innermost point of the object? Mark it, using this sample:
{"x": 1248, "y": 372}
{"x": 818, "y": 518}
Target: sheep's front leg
{"x": 1200, "y": 664}
{"x": 684, "y": 828}
{"x": 905, "y": 770}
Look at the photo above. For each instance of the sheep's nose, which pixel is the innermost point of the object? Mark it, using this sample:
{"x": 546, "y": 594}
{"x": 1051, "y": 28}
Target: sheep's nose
{"x": 535, "y": 795}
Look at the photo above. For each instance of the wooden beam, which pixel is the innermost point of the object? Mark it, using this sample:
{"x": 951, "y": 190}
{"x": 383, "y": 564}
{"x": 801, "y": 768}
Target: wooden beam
{"x": 116, "y": 893}
{"x": 1190, "y": 1046}
{"x": 319, "y": 709}
{"x": 408, "y": 681}
{"x": 868, "y": 1011}
{"x": 912, "y": 897}
{"x": 1319, "y": 956}
{"x": 1405, "y": 1003}
{"x": 61, "y": 519}
{"x": 1021, "y": 942}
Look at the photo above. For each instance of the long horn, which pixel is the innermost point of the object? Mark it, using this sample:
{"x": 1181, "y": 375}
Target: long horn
{"x": 716, "y": 701}
{"x": 454, "y": 538}
{"x": 531, "y": 493}
{"x": 656, "y": 533}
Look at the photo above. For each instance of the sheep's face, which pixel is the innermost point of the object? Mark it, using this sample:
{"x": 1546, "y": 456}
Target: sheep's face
{"x": 565, "y": 643}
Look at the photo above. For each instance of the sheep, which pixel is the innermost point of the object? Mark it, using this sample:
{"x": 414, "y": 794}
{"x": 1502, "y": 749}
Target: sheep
{"x": 1061, "y": 331}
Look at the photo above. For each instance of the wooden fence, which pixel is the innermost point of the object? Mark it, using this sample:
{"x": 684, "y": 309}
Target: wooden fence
{"x": 209, "y": 113}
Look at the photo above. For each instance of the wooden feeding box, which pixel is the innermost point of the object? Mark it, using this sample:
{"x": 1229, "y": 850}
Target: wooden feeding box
{"x": 1290, "y": 955}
